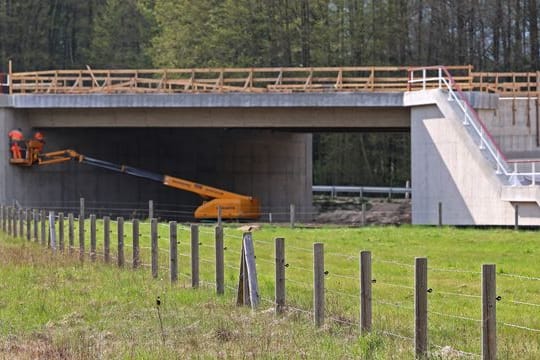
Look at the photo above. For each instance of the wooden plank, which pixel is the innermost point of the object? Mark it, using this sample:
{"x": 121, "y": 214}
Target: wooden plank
{"x": 251, "y": 268}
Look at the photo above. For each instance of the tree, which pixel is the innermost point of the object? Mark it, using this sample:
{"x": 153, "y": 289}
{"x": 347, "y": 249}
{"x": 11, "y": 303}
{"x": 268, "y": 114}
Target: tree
{"x": 121, "y": 35}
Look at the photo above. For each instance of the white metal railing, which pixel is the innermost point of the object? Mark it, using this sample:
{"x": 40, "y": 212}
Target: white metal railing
{"x": 513, "y": 170}
{"x": 336, "y": 189}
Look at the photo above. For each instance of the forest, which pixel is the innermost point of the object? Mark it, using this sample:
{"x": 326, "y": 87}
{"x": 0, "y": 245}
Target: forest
{"x": 488, "y": 34}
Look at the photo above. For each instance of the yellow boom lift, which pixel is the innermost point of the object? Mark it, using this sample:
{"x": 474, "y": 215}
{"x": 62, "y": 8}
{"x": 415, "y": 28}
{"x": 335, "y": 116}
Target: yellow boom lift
{"x": 233, "y": 206}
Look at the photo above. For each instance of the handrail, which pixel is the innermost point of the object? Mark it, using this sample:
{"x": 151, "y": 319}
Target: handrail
{"x": 486, "y": 140}
{"x": 264, "y": 79}
{"x": 335, "y": 189}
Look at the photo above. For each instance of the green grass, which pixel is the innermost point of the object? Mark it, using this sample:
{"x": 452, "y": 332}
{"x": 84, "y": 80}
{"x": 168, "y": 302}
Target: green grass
{"x": 55, "y": 306}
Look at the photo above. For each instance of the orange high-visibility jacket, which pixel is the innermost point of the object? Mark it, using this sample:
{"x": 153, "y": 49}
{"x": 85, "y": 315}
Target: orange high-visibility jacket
{"x": 16, "y": 135}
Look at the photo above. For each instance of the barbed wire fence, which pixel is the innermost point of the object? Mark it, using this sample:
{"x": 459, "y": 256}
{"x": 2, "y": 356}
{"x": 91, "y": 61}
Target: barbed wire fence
{"x": 178, "y": 250}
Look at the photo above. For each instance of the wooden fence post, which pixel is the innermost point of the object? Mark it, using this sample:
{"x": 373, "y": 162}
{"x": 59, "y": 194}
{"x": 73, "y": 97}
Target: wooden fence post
{"x": 43, "y": 219}
{"x": 5, "y": 219}
{"x": 420, "y": 308}
{"x": 93, "y": 237}
{"x": 136, "y": 250}
{"x": 365, "y": 292}
{"x": 9, "y": 221}
{"x": 292, "y": 215}
{"x": 28, "y": 217}
{"x": 280, "y": 275}
{"x": 489, "y": 314}
{"x": 81, "y": 230}
{"x": 194, "y": 256}
{"x": 173, "y": 249}
{"x": 106, "y": 239}
{"x": 120, "y": 236}
{"x": 219, "y": 215}
{"x": 150, "y": 209}
{"x": 13, "y": 221}
{"x": 220, "y": 261}
{"x": 52, "y": 231}
{"x": 61, "y": 231}
{"x": 21, "y": 222}
{"x": 154, "y": 242}
{"x": 15, "y": 225}
{"x": 71, "y": 233}
{"x": 318, "y": 284}
{"x": 36, "y": 224}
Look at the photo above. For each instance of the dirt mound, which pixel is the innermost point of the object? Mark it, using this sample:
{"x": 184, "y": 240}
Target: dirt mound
{"x": 378, "y": 212}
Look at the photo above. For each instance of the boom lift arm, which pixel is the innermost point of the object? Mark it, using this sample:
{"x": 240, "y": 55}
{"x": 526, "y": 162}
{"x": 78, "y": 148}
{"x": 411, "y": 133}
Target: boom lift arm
{"x": 233, "y": 206}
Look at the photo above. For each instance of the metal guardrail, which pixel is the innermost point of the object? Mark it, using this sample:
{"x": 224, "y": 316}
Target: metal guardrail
{"x": 334, "y": 190}
{"x": 515, "y": 175}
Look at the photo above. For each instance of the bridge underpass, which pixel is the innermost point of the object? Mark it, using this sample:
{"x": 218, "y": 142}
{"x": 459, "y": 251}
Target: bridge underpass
{"x": 248, "y": 143}
{"x": 264, "y": 150}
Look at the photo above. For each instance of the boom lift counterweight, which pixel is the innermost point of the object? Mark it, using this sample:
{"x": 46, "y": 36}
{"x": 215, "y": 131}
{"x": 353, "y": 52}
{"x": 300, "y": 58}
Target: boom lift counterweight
{"x": 233, "y": 206}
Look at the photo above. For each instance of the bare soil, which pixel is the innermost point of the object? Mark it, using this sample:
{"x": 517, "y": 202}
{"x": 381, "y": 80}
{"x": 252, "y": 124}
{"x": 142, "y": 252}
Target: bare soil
{"x": 348, "y": 211}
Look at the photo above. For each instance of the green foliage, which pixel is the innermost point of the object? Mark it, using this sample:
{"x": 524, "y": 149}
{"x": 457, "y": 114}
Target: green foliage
{"x": 54, "y": 306}
{"x": 121, "y": 34}
{"x": 491, "y": 35}
{"x": 361, "y": 158}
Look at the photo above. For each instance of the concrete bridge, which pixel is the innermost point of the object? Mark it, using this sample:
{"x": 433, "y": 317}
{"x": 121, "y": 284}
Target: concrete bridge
{"x": 259, "y": 142}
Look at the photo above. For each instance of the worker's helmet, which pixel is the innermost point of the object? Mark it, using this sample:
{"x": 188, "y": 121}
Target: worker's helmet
{"x": 38, "y": 136}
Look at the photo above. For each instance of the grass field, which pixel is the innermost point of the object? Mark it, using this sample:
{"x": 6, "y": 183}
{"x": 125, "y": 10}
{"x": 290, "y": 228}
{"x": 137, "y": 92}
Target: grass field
{"x": 54, "y": 306}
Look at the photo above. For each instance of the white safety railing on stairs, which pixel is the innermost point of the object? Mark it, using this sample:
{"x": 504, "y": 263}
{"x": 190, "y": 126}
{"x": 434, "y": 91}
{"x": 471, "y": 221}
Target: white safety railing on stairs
{"x": 517, "y": 172}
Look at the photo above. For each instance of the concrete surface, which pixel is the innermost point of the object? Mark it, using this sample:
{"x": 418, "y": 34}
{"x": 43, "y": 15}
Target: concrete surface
{"x": 306, "y": 119}
{"x": 272, "y": 166}
{"x": 260, "y": 145}
{"x": 514, "y": 125}
{"x": 202, "y": 100}
{"x": 449, "y": 167}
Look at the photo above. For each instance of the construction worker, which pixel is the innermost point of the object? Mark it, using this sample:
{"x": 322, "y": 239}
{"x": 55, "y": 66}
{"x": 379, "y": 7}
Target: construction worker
{"x": 38, "y": 140}
{"x": 16, "y": 143}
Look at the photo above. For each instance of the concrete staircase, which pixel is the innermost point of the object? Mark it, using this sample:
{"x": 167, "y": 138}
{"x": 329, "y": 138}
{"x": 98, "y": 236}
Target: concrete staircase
{"x": 453, "y": 165}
